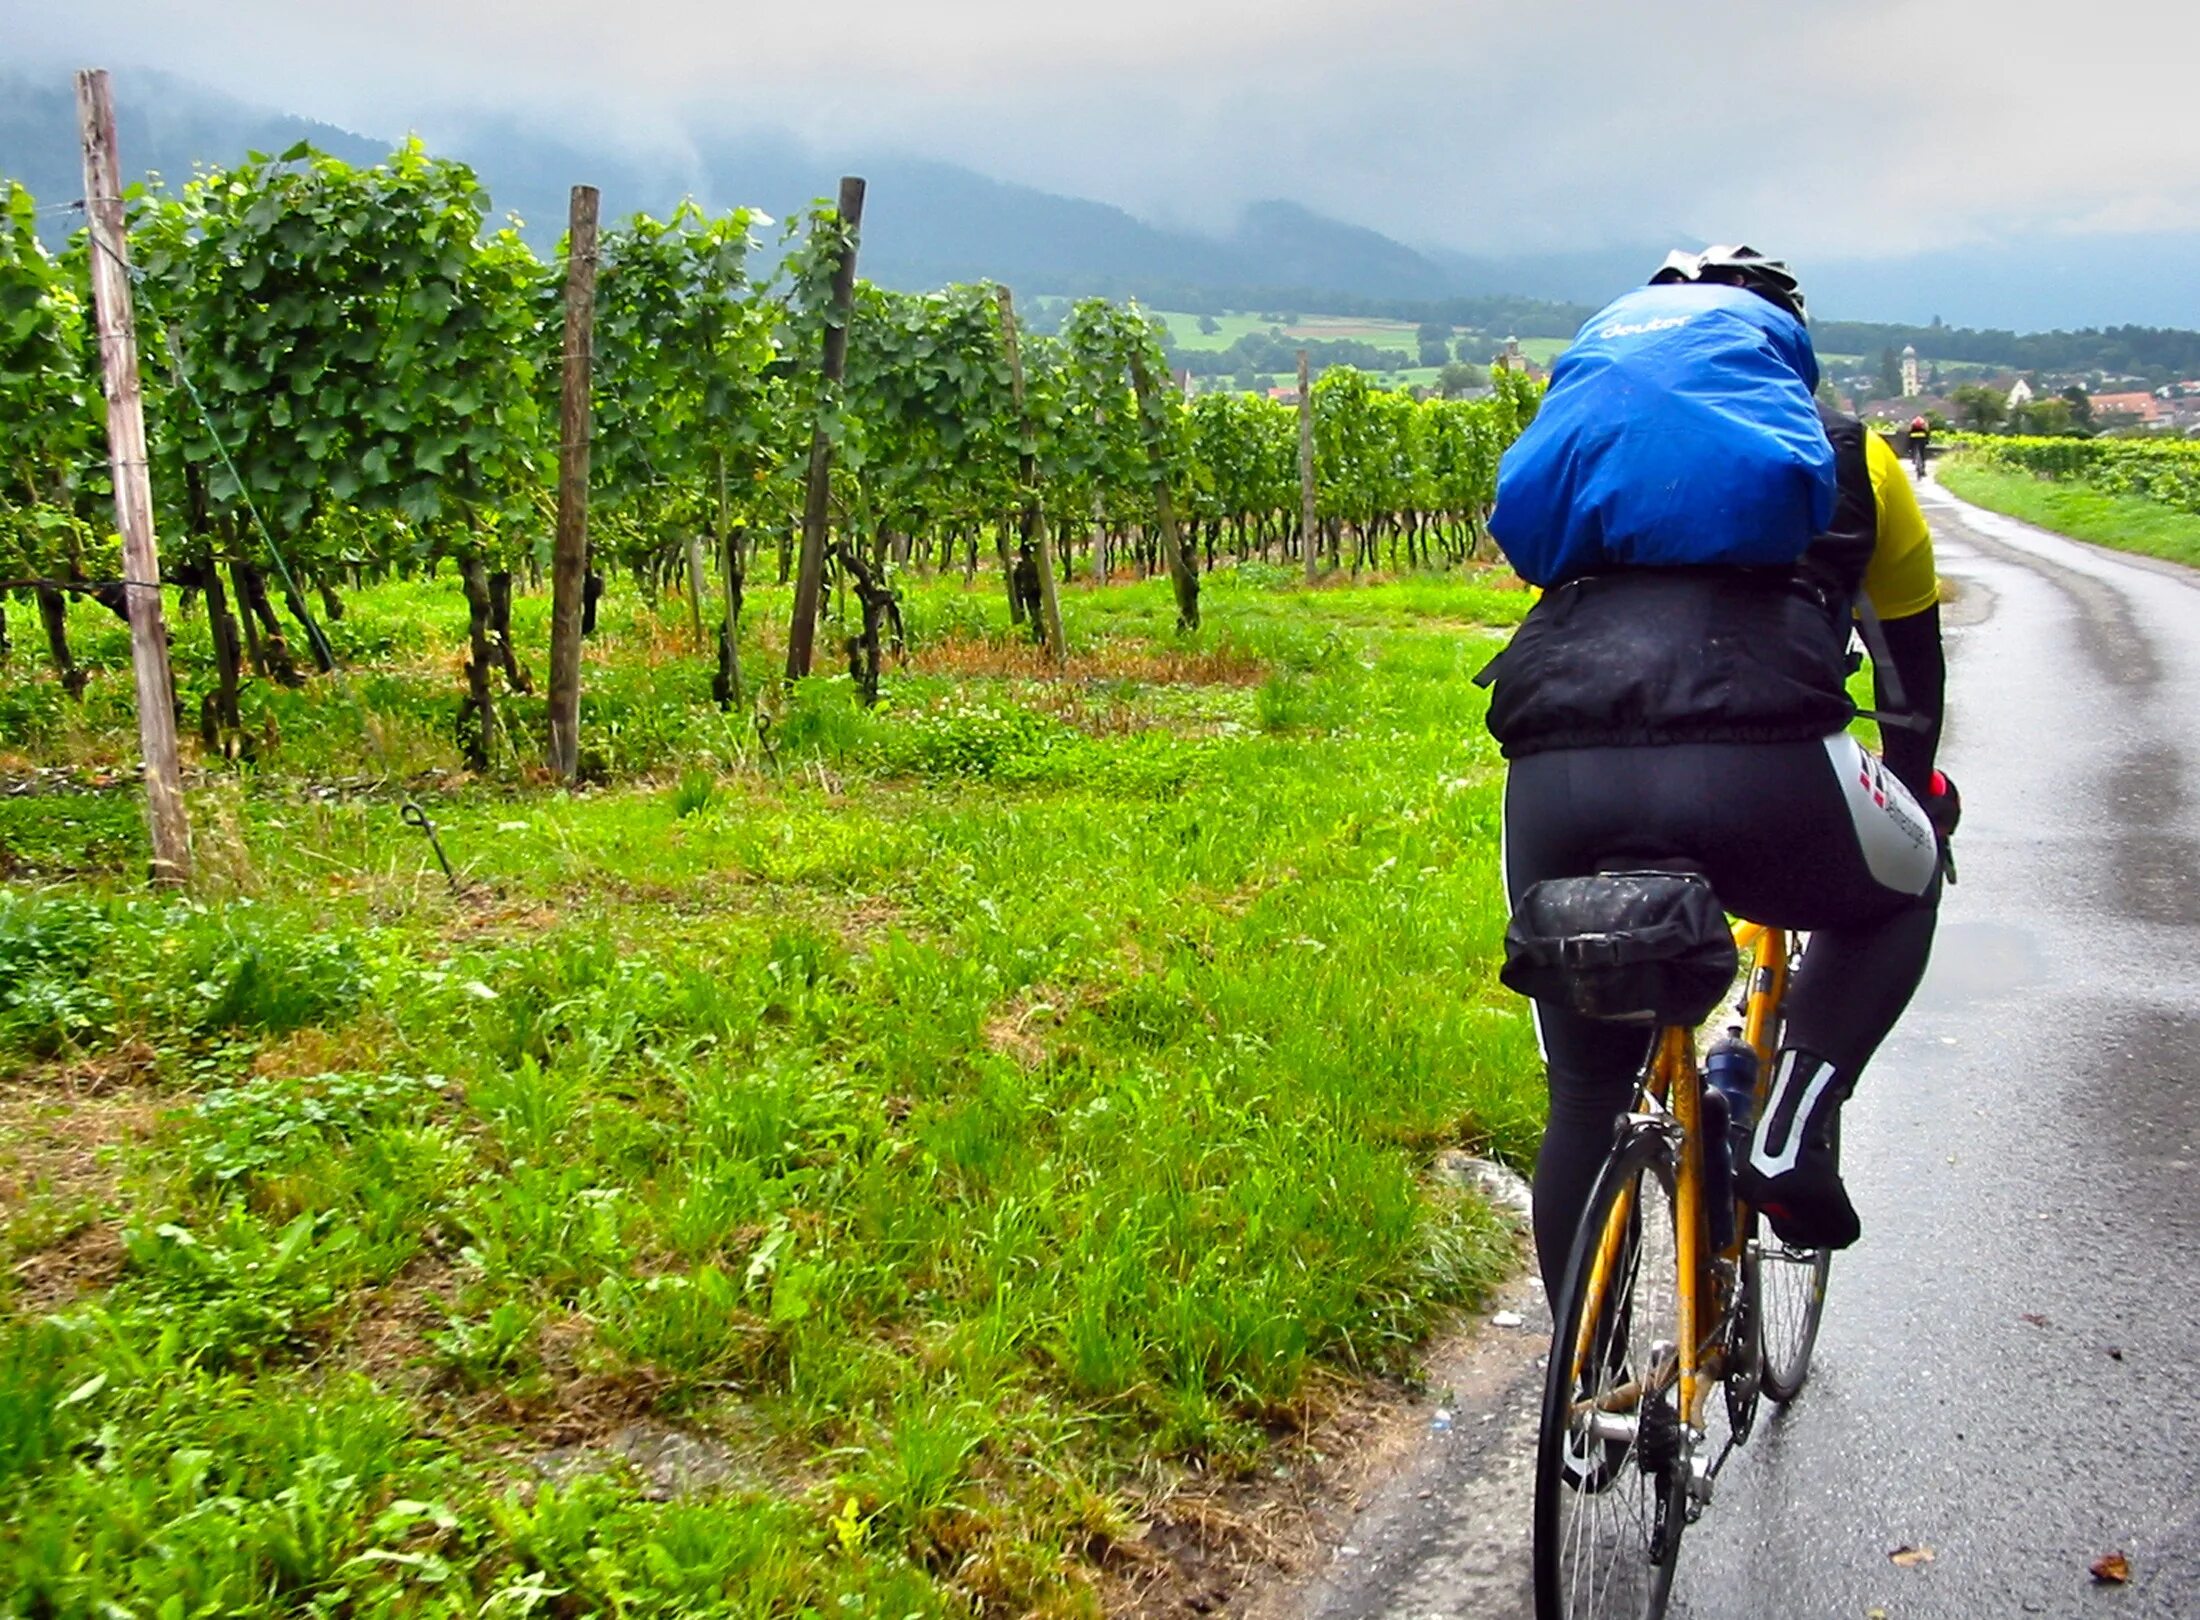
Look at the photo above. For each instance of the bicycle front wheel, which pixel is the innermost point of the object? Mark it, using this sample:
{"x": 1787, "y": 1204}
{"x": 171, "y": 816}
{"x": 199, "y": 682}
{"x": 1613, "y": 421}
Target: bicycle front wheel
{"x": 1791, "y": 1298}
{"x": 1611, "y": 1469}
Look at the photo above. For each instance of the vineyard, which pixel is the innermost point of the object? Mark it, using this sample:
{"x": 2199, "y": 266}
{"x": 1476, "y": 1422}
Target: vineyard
{"x": 351, "y": 379}
{"x": 944, "y": 1135}
{"x": 2164, "y": 471}
{"x": 2134, "y": 494}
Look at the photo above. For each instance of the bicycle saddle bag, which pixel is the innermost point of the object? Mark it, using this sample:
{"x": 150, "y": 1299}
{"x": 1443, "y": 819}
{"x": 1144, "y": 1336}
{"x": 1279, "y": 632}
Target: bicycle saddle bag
{"x": 1632, "y": 947}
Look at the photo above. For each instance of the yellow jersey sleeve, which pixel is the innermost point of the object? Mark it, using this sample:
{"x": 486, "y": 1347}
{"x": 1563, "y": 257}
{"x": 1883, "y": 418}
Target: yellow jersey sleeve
{"x": 1901, "y": 579}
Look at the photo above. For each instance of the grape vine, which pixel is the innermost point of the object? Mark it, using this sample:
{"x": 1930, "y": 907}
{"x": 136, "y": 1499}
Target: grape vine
{"x": 351, "y": 372}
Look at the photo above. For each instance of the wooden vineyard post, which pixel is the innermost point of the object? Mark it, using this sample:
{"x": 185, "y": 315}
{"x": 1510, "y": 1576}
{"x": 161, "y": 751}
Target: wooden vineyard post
{"x": 695, "y": 585}
{"x": 1027, "y": 472}
{"x": 569, "y": 554}
{"x": 166, "y": 821}
{"x": 810, "y": 572}
{"x": 1306, "y": 468}
{"x": 1181, "y": 572}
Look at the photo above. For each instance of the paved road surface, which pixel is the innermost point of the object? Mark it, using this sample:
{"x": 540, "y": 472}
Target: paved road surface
{"x": 2010, "y": 1369}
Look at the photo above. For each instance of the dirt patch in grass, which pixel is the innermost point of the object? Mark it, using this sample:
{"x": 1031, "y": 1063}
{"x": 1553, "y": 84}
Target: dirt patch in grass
{"x": 1109, "y": 717}
{"x": 667, "y": 1463}
{"x": 859, "y": 921}
{"x": 505, "y": 919}
{"x": 59, "y": 1133}
{"x": 63, "y": 1137}
{"x": 1110, "y": 661}
{"x": 1021, "y": 1027}
{"x": 583, "y": 1403}
{"x": 88, "y": 1258}
{"x": 570, "y": 1403}
{"x": 389, "y": 1341}
{"x": 863, "y": 922}
{"x": 314, "y": 1050}
{"x": 1208, "y": 1541}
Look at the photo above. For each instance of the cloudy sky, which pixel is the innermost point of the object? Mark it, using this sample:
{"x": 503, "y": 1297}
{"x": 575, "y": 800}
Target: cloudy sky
{"x": 1841, "y": 128}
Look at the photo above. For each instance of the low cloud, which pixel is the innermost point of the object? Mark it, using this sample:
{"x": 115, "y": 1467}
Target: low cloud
{"x": 1860, "y": 129}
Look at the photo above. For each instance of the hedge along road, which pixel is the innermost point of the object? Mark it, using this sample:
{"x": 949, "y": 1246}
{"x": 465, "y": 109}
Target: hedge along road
{"x": 2006, "y": 1375}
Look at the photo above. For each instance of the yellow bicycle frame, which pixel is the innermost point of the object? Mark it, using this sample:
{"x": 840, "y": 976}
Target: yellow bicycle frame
{"x": 1671, "y": 1080}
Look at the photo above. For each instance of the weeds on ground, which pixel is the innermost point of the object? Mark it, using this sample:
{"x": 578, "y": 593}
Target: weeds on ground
{"x": 951, "y": 1125}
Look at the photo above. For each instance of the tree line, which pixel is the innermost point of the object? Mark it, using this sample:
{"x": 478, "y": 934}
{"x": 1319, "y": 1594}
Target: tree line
{"x": 2160, "y": 354}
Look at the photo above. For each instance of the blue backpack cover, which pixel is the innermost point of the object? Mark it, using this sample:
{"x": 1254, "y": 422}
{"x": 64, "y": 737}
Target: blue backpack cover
{"x": 1679, "y": 429}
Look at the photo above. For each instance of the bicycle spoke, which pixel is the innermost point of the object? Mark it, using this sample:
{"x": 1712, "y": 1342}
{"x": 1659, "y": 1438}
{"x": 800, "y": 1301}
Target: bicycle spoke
{"x": 1790, "y": 1297}
{"x": 1601, "y": 1542}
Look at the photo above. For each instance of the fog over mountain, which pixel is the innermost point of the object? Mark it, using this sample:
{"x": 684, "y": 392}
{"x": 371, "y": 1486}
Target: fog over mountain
{"x": 930, "y": 221}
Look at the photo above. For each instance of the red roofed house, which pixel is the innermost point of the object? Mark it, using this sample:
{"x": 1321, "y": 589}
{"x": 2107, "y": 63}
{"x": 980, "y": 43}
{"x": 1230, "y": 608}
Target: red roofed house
{"x": 2144, "y": 406}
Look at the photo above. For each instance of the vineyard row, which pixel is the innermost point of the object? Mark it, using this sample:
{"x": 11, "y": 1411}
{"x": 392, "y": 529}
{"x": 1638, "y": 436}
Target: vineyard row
{"x": 2167, "y": 471}
{"x": 348, "y": 368}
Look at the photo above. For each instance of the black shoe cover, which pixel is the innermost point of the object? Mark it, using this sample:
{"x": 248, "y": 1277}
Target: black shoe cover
{"x": 1793, "y": 1172}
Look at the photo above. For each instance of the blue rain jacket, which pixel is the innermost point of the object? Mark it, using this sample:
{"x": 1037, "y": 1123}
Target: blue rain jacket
{"x": 1678, "y": 429}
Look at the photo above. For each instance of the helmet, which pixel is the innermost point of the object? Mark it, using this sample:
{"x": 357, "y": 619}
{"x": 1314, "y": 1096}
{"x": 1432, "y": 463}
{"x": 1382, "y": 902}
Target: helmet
{"x": 1735, "y": 267}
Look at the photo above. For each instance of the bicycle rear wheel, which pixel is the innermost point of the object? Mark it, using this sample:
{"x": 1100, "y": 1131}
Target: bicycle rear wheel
{"x": 1791, "y": 1298}
{"x": 1611, "y": 1472}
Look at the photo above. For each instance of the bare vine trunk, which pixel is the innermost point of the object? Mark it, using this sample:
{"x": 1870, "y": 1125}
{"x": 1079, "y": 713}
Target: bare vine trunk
{"x": 263, "y": 632}
{"x": 53, "y": 611}
{"x": 1008, "y": 571}
{"x": 219, "y": 718}
{"x": 516, "y": 674}
{"x": 478, "y": 737}
{"x": 324, "y": 658}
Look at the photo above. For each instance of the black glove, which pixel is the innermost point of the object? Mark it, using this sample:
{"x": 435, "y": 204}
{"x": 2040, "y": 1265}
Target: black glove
{"x": 1944, "y": 808}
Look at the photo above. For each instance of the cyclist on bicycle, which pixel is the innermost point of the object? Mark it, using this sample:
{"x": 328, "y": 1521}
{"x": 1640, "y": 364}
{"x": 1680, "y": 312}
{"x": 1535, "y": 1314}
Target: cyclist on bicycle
{"x": 1697, "y": 716}
{"x": 1921, "y": 438}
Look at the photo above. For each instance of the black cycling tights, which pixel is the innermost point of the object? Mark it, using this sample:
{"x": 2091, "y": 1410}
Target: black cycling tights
{"x": 1779, "y": 833}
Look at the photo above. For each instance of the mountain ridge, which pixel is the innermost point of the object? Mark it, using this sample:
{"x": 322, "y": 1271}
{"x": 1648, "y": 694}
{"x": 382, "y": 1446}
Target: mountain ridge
{"x": 929, "y": 221}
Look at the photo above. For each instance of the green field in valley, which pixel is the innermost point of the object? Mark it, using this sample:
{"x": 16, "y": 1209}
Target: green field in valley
{"x": 904, "y": 1169}
{"x": 1184, "y": 333}
{"x": 1184, "y": 329}
{"x": 1404, "y": 377}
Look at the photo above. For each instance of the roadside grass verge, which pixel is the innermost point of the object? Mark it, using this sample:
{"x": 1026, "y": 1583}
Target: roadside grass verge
{"x": 2125, "y": 522}
{"x": 876, "y": 1174}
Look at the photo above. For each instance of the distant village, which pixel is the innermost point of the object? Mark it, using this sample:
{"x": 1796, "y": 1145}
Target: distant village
{"x": 1890, "y": 389}
{"x": 1989, "y": 400}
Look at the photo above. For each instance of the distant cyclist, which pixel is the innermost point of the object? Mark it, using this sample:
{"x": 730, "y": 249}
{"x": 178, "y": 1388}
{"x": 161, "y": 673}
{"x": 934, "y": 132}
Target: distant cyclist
{"x": 1921, "y": 435}
{"x": 1699, "y": 715}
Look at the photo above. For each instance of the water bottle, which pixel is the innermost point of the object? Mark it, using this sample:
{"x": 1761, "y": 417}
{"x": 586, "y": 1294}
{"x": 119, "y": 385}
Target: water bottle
{"x": 1718, "y": 1169}
{"x": 1730, "y": 1118}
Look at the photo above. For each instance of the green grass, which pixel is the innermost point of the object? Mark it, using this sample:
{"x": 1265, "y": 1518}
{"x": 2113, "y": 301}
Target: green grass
{"x": 2126, "y": 522}
{"x": 967, "y": 1119}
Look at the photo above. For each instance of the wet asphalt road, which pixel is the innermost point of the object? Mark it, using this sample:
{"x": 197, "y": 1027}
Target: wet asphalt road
{"x": 2009, "y": 1373}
